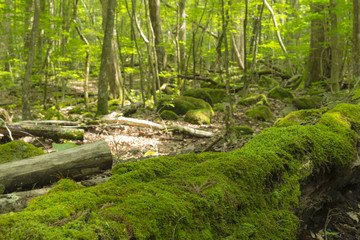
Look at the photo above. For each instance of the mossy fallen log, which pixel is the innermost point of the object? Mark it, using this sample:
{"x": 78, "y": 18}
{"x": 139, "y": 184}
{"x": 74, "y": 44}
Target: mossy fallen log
{"x": 250, "y": 193}
{"x": 46, "y": 131}
{"x": 75, "y": 163}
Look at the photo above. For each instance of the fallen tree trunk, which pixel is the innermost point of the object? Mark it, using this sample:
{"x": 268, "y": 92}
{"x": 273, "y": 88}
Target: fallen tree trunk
{"x": 75, "y": 163}
{"x": 41, "y": 130}
{"x": 18, "y": 201}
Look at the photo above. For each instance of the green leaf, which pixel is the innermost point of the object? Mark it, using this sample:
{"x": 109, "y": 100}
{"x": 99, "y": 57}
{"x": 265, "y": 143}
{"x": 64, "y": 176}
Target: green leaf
{"x": 331, "y": 233}
{"x": 149, "y": 153}
{"x": 63, "y": 146}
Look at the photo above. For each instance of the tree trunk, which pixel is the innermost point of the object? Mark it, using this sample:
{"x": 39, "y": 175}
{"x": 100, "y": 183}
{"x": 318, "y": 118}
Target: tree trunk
{"x": 107, "y": 62}
{"x": 26, "y": 84}
{"x": 356, "y": 41}
{"x": 335, "y": 54}
{"x": 75, "y": 163}
{"x": 318, "y": 66}
{"x": 155, "y": 18}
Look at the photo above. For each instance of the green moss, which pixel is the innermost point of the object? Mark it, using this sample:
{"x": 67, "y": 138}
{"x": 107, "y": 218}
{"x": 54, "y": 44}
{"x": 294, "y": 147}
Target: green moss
{"x": 17, "y": 150}
{"x": 88, "y": 115}
{"x": 310, "y": 116}
{"x": 168, "y": 115}
{"x": 114, "y": 102}
{"x": 217, "y": 95}
{"x": 76, "y": 110}
{"x": 250, "y": 193}
{"x": 267, "y": 82}
{"x": 218, "y": 107}
{"x": 243, "y": 130}
{"x": 198, "y": 93}
{"x": 198, "y": 116}
{"x": 280, "y": 93}
{"x": 261, "y": 112}
{"x": 259, "y": 99}
{"x": 305, "y": 103}
{"x": 181, "y": 104}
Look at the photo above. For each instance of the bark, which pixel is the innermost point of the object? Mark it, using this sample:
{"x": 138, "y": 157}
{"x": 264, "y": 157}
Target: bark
{"x": 318, "y": 65}
{"x": 182, "y": 34}
{"x": 107, "y": 62}
{"x": 335, "y": 54}
{"x": 75, "y": 163}
{"x": 155, "y": 18}
{"x": 47, "y": 131}
{"x": 26, "y": 84}
{"x": 5, "y": 37}
{"x": 356, "y": 41}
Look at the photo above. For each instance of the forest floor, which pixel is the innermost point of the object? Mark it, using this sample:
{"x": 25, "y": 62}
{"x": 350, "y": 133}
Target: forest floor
{"x": 132, "y": 143}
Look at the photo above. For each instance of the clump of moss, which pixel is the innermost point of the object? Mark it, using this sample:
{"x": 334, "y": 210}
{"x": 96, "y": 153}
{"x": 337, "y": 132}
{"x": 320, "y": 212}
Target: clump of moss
{"x": 303, "y": 117}
{"x": 168, "y": 115}
{"x": 217, "y": 95}
{"x": 198, "y": 93}
{"x": 17, "y": 150}
{"x": 88, "y": 115}
{"x": 181, "y": 104}
{"x": 198, "y": 116}
{"x": 305, "y": 103}
{"x": 243, "y": 130}
{"x": 268, "y": 82}
{"x": 218, "y": 107}
{"x": 259, "y": 99}
{"x": 280, "y": 93}
{"x": 114, "y": 102}
{"x": 261, "y": 112}
{"x": 250, "y": 193}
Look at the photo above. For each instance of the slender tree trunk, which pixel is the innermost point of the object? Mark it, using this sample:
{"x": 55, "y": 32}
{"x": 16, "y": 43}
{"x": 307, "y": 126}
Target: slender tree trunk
{"x": 5, "y": 37}
{"x": 335, "y": 54}
{"x": 318, "y": 68}
{"x": 106, "y": 61}
{"x": 356, "y": 42}
{"x": 155, "y": 18}
{"x": 246, "y": 80}
{"x": 26, "y": 85}
{"x": 182, "y": 34}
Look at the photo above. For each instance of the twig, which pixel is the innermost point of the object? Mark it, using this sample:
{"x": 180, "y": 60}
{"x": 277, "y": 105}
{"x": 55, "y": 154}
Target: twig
{"x": 12, "y": 139}
{"x": 173, "y": 236}
{"x": 212, "y": 144}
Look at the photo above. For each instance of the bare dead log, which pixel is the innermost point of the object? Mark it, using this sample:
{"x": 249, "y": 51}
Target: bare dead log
{"x": 41, "y": 130}
{"x": 145, "y": 123}
{"x": 75, "y": 163}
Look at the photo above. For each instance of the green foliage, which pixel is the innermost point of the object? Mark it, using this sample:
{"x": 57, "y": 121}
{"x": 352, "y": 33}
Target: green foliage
{"x": 261, "y": 112}
{"x": 219, "y": 107}
{"x": 17, "y": 150}
{"x": 268, "y": 82}
{"x": 168, "y": 115}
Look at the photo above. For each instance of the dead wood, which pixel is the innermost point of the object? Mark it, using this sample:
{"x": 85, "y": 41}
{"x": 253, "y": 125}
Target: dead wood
{"x": 41, "y": 130}
{"x": 75, "y": 163}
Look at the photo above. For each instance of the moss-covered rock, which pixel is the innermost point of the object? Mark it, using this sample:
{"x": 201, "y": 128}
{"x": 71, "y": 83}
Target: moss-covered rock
{"x": 280, "y": 93}
{"x": 168, "y": 115}
{"x": 199, "y": 93}
{"x": 303, "y": 117}
{"x": 198, "y": 116}
{"x": 217, "y": 95}
{"x": 261, "y": 112}
{"x": 250, "y": 193}
{"x": 219, "y": 107}
{"x": 268, "y": 82}
{"x": 243, "y": 130}
{"x": 287, "y": 110}
{"x": 114, "y": 102}
{"x": 305, "y": 103}
{"x": 17, "y": 150}
{"x": 258, "y": 99}
{"x": 181, "y": 104}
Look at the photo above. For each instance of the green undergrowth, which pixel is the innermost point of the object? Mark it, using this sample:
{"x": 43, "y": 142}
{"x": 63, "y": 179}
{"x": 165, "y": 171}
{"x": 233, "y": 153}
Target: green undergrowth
{"x": 249, "y": 193}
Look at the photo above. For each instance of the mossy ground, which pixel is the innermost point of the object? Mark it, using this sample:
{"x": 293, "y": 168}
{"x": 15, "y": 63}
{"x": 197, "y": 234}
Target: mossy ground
{"x": 249, "y": 193}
